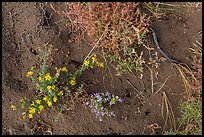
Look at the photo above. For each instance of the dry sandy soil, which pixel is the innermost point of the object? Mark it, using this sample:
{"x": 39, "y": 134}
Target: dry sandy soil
{"x": 24, "y": 29}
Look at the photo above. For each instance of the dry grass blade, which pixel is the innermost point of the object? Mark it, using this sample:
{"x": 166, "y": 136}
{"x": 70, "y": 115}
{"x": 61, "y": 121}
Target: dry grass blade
{"x": 152, "y": 79}
{"x": 169, "y": 113}
{"x": 184, "y": 77}
{"x": 184, "y": 4}
{"x": 159, "y": 9}
{"x": 161, "y": 86}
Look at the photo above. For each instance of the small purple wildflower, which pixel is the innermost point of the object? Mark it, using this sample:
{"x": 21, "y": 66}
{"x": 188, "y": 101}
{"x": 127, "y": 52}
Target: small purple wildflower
{"x": 103, "y": 113}
{"x": 120, "y": 100}
{"x": 102, "y": 108}
{"x": 107, "y": 94}
{"x": 87, "y": 103}
{"x": 106, "y": 99}
{"x": 98, "y": 103}
{"x": 99, "y": 99}
{"x": 97, "y": 95}
{"x": 97, "y": 113}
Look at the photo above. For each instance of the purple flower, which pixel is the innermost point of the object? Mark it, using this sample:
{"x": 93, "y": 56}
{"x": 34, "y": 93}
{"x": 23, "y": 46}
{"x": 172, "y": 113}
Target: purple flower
{"x": 111, "y": 103}
{"x": 107, "y": 94}
{"x": 99, "y": 99}
{"x": 87, "y": 103}
{"x": 102, "y": 108}
{"x": 103, "y": 113}
{"x": 106, "y": 99}
{"x": 97, "y": 113}
{"x": 120, "y": 100}
{"x": 96, "y": 95}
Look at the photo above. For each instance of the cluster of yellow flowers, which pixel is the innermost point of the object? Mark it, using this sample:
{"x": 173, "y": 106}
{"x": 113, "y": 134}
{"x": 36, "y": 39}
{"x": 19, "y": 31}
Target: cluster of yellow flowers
{"x": 72, "y": 81}
{"x": 48, "y": 88}
{"x": 64, "y": 69}
{"x": 29, "y": 73}
{"x": 48, "y": 77}
{"x": 36, "y": 106}
{"x": 100, "y": 64}
{"x": 94, "y": 58}
{"x": 86, "y": 63}
{"x": 94, "y": 61}
{"x": 48, "y": 101}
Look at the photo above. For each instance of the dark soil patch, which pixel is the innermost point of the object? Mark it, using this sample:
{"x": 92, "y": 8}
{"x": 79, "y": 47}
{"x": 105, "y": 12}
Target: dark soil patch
{"x": 27, "y": 26}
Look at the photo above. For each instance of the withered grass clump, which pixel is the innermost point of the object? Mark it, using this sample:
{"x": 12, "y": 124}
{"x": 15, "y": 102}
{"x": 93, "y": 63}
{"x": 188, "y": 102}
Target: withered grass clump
{"x": 112, "y": 26}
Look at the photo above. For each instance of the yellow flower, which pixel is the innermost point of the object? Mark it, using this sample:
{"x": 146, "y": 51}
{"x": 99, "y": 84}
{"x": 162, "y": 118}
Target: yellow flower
{"x": 72, "y": 82}
{"x": 49, "y": 103}
{"x": 55, "y": 99}
{"x": 94, "y": 57}
{"x": 57, "y": 73}
{"x": 47, "y": 76}
{"x": 49, "y": 87}
{"x": 24, "y": 116}
{"x": 29, "y": 73}
{"x": 30, "y": 115}
{"x": 100, "y": 64}
{"x": 53, "y": 86}
{"x": 32, "y": 68}
{"x": 64, "y": 69}
{"x": 41, "y": 107}
{"x": 13, "y": 107}
{"x": 40, "y": 78}
{"x": 45, "y": 98}
{"x": 22, "y": 100}
{"x": 38, "y": 101}
{"x": 56, "y": 68}
{"x": 33, "y": 104}
{"x": 60, "y": 93}
{"x": 86, "y": 63}
{"x": 32, "y": 110}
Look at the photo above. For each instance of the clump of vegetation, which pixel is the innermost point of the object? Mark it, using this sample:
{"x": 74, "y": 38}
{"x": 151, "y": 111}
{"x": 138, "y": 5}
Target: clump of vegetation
{"x": 100, "y": 103}
{"x": 190, "y": 121}
{"x": 49, "y": 88}
{"x": 115, "y": 28}
{"x": 191, "y": 109}
{"x": 191, "y": 117}
{"x": 132, "y": 62}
